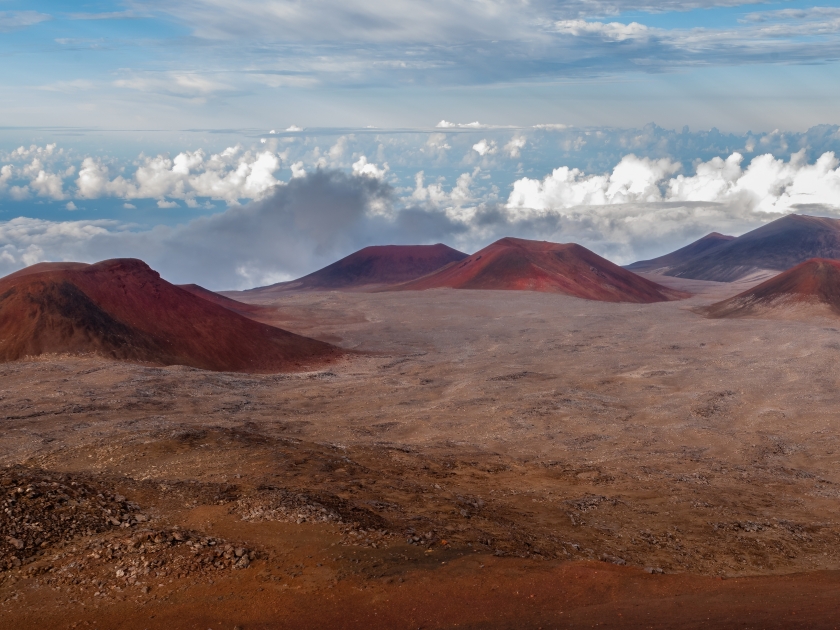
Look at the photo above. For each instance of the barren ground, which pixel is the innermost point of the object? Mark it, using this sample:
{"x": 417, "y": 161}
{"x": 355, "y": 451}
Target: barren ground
{"x": 486, "y": 460}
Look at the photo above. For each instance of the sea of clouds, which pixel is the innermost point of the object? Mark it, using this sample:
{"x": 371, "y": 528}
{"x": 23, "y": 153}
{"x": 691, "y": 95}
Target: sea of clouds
{"x": 290, "y": 202}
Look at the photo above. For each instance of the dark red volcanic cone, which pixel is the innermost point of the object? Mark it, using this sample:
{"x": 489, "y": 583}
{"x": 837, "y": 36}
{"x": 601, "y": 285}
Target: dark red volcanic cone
{"x": 815, "y": 282}
{"x": 123, "y": 309}
{"x": 371, "y": 267}
{"x": 518, "y": 264}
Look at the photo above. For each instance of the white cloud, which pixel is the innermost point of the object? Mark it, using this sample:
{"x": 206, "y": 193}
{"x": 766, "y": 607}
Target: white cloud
{"x": 129, "y": 206}
{"x": 294, "y": 128}
{"x": 632, "y": 180}
{"x": 231, "y": 175}
{"x": 181, "y": 84}
{"x": 767, "y": 185}
{"x": 484, "y": 147}
{"x": 515, "y": 146}
{"x": 162, "y": 203}
{"x": 14, "y": 20}
{"x": 363, "y": 168}
{"x": 71, "y": 206}
{"x": 612, "y": 31}
{"x": 297, "y": 170}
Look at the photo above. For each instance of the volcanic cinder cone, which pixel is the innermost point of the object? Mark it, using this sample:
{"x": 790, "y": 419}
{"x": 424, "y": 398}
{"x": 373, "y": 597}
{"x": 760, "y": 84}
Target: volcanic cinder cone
{"x": 372, "y": 267}
{"x": 122, "y": 309}
{"x": 523, "y": 265}
{"x": 811, "y": 287}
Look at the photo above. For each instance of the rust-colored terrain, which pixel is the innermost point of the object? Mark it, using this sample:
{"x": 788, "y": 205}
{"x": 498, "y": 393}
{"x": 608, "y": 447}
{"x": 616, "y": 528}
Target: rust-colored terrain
{"x": 523, "y": 265}
{"x": 369, "y": 268}
{"x": 122, "y": 309}
{"x": 813, "y": 285}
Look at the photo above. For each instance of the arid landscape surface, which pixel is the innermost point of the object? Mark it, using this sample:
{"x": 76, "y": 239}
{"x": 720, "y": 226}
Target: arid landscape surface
{"x": 482, "y": 459}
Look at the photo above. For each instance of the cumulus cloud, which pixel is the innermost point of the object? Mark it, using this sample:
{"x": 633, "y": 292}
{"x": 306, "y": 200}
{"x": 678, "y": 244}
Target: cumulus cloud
{"x": 363, "y": 168}
{"x": 484, "y": 147}
{"x": 632, "y": 180}
{"x": 767, "y": 184}
{"x": 231, "y": 175}
{"x": 515, "y": 146}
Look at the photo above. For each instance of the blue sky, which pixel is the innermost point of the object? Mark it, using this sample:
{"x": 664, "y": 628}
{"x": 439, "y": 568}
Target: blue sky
{"x": 127, "y": 128}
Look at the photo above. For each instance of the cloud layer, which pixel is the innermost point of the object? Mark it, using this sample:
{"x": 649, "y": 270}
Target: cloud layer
{"x": 639, "y": 208}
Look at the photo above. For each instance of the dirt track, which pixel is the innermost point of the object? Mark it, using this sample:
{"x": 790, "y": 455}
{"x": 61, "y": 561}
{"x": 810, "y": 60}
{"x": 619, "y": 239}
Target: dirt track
{"x": 565, "y": 445}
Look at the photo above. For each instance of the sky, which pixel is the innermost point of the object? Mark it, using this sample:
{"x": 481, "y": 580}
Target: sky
{"x": 237, "y": 143}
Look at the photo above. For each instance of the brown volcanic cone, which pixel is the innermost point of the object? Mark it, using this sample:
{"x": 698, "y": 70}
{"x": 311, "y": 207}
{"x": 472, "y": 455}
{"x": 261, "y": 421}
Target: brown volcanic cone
{"x": 518, "y": 264}
{"x": 123, "y": 309}
{"x": 372, "y": 267}
{"x": 814, "y": 285}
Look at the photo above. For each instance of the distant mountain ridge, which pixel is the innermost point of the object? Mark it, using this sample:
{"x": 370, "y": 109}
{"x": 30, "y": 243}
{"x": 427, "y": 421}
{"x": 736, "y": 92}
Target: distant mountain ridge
{"x": 519, "y": 264}
{"x": 682, "y": 255}
{"x": 776, "y": 246}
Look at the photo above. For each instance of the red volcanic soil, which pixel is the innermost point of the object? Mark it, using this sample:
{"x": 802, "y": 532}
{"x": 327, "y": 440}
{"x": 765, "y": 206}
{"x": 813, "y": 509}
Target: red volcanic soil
{"x": 373, "y": 266}
{"x": 814, "y": 283}
{"x": 122, "y": 309}
{"x": 523, "y": 265}
{"x": 682, "y": 255}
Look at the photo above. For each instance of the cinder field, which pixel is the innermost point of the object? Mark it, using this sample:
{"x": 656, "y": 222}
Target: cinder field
{"x": 482, "y": 459}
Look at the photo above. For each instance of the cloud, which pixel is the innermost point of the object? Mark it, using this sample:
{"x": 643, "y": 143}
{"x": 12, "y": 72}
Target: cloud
{"x": 178, "y": 84}
{"x": 15, "y": 20}
{"x": 363, "y": 168}
{"x": 309, "y": 222}
{"x": 231, "y": 175}
{"x": 483, "y": 147}
{"x": 767, "y": 185}
{"x": 515, "y": 146}
{"x": 632, "y": 180}
{"x": 612, "y": 31}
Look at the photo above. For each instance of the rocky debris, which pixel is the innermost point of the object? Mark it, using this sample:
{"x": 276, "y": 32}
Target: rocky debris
{"x": 280, "y": 504}
{"x": 605, "y": 557}
{"x": 140, "y": 560}
{"x": 285, "y": 507}
{"x": 354, "y": 535}
{"x": 427, "y": 539}
{"x": 41, "y": 509}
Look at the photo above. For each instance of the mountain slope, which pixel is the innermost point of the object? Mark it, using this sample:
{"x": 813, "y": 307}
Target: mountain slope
{"x": 122, "y": 309}
{"x": 519, "y": 264}
{"x": 682, "y": 255}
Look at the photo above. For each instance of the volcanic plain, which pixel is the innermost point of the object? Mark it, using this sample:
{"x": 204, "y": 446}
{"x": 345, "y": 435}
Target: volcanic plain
{"x": 477, "y": 459}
